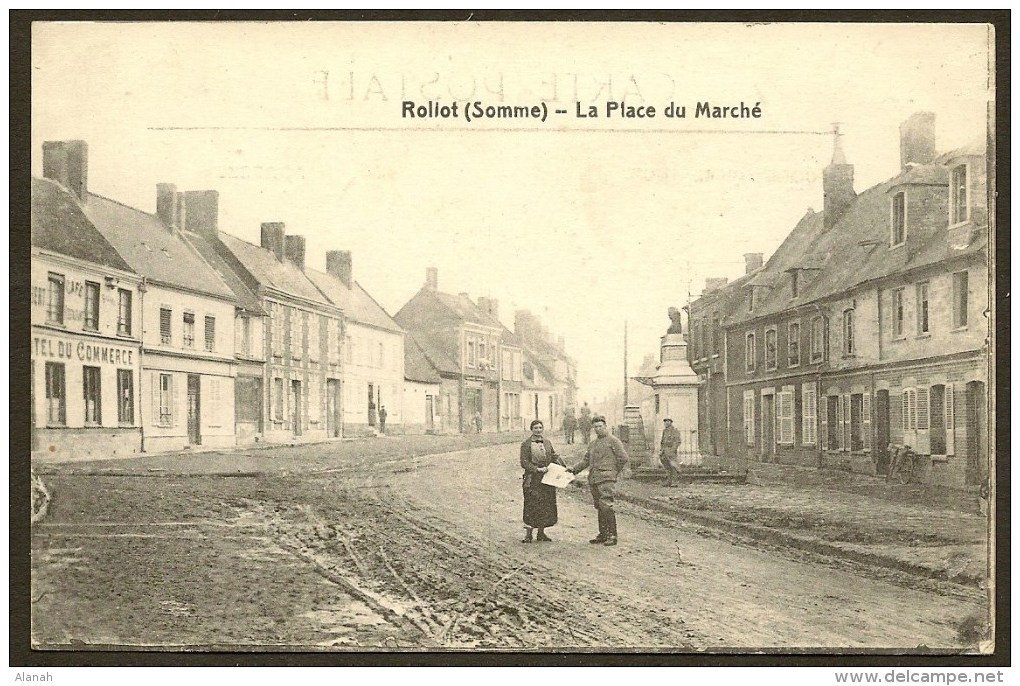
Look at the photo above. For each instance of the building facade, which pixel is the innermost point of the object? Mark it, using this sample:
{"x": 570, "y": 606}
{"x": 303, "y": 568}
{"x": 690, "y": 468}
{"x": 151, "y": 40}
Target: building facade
{"x": 867, "y": 327}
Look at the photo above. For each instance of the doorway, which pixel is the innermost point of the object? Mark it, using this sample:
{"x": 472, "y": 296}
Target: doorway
{"x": 882, "y": 437}
{"x": 295, "y": 404}
{"x": 333, "y": 422}
{"x": 194, "y": 409}
{"x": 768, "y": 428}
{"x": 429, "y": 402}
{"x": 371, "y": 404}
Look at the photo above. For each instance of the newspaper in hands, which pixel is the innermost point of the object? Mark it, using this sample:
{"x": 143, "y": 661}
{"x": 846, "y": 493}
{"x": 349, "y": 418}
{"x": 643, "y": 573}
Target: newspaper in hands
{"x": 557, "y": 476}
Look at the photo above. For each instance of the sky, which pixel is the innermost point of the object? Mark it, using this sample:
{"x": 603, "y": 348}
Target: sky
{"x": 588, "y": 222}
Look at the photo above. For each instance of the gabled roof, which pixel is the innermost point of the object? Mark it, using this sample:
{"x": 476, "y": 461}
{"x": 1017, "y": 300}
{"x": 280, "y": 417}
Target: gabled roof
{"x": 417, "y": 366}
{"x": 152, "y": 249}
{"x": 464, "y": 308}
{"x": 247, "y": 300}
{"x": 270, "y": 272}
{"x": 357, "y": 304}
{"x": 59, "y": 225}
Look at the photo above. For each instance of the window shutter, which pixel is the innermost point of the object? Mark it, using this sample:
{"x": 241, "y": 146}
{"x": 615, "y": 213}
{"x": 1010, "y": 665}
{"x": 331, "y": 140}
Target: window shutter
{"x": 177, "y": 409}
{"x": 786, "y": 418}
{"x": 866, "y": 421}
{"x": 155, "y": 397}
{"x": 950, "y": 421}
{"x": 923, "y": 422}
{"x": 840, "y": 443}
{"x": 905, "y": 410}
{"x": 823, "y": 407}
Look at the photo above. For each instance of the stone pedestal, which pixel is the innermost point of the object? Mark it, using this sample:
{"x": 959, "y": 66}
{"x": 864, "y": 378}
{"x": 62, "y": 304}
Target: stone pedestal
{"x": 676, "y": 390}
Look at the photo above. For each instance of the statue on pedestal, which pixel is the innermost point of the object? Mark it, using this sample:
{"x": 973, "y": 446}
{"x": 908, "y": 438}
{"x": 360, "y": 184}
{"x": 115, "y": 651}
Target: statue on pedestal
{"x": 674, "y": 317}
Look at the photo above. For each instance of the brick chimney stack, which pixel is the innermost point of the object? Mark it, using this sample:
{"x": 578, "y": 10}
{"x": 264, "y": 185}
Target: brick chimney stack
{"x": 752, "y": 261}
{"x": 67, "y": 163}
{"x": 340, "y": 264}
{"x": 431, "y": 279}
{"x": 294, "y": 248}
{"x": 917, "y": 139}
{"x": 272, "y": 238}
{"x": 167, "y": 205}
{"x": 202, "y": 213}
{"x": 837, "y": 183}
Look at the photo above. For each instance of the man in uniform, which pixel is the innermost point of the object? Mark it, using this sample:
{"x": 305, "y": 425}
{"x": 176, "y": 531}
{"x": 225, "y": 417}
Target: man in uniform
{"x": 667, "y": 452}
{"x": 607, "y": 459}
{"x": 584, "y": 423}
{"x": 382, "y": 419}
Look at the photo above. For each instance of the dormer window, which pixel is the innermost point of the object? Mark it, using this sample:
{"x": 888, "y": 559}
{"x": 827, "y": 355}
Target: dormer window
{"x": 899, "y": 220}
{"x": 958, "y": 209}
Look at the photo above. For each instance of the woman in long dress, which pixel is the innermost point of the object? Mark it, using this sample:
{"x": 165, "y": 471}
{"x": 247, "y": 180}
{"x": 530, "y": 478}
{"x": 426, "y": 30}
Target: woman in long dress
{"x": 537, "y": 453}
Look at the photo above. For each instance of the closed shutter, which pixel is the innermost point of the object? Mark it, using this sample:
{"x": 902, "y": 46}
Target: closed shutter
{"x": 848, "y": 443}
{"x": 923, "y": 422}
{"x": 866, "y": 421}
{"x": 823, "y": 407}
{"x": 154, "y": 382}
{"x": 786, "y": 417}
{"x": 950, "y": 421}
{"x": 840, "y": 439}
{"x": 809, "y": 415}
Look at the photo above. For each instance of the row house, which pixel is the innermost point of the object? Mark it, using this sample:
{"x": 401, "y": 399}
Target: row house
{"x": 186, "y": 315}
{"x": 373, "y": 350}
{"x": 867, "y": 326}
{"x": 551, "y": 356}
{"x": 86, "y": 332}
{"x": 466, "y": 345}
{"x": 422, "y": 391}
{"x": 301, "y": 398}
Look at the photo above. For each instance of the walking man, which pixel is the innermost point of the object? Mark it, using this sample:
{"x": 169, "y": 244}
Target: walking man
{"x": 382, "y": 419}
{"x": 584, "y": 424}
{"x": 667, "y": 452}
{"x": 607, "y": 459}
{"x": 569, "y": 426}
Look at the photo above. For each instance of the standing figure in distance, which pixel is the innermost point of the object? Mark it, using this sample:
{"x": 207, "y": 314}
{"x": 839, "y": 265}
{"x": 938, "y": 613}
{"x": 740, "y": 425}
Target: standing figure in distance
{"x": 584, "y": 423}
{"x": 608, "y": 460}
{"x": 569, "y": 425}
{"x": 382, "y": 419}
{"x": 478, "y": 422}
{"x": 537, "y": 453}
{"x": 667, "y": 452}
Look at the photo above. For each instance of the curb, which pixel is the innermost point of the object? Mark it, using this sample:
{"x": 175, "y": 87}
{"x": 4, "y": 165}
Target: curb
{"x": 813, "y": 545}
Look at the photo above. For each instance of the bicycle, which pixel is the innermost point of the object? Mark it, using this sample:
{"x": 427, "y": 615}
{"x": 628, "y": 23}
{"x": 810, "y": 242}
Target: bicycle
{"x": 903, "y": 464}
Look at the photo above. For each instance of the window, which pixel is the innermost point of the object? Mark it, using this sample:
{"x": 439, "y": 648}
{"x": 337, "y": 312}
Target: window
{"x": 91, "y": 313}
{"x": 899, "y": 220}
{"x": 278, "y": 399}
{"x": 164, "y": 325}
{"x": 849, "y": 346}
{"x": 784, "y": 416}
{"x": 771, "y": 354}
{"x": 833, "y": 422}
{"x": 93, "y": 395}
{"x": 809, "y": 416}
{"x": 958, "y": 195}
{"x": 856, "y": 421}
{"x": 749, "y": 418}
{"x": 56, "y": 399}
{"x": 123, "y": 312}
{"x": 125, "y": 397}
{"x": 472, "y": 355}
{"x": 189, "y": 329}
{"x": 749, "y": 353}
{"x": 246, "y": 336}
{"x": 922, "y": 308}
{"x": 960, "y": 300}
{"x": 165, "y": 404}
{"x": 276, "y": 325}
{"x": 210, "y": 334}
{"x": 793, "y": 344}
{"x": 908, "y": 409}
{"x": 897, "y": 312}
{"x": 819, "y": 339}
{"x": 55, "y": 299}
{"x": 299, "y": 348}
{"x": 703, "y": 349}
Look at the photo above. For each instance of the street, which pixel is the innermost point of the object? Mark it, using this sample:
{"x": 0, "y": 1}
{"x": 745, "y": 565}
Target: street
{"x": 314, "y": 549}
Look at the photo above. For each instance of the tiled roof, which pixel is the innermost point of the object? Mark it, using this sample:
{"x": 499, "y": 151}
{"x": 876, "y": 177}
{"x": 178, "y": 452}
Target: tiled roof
{"x": 59, "y": 225}
{"x": 922, "y": 174}
{"x": 152, "y": 249}
{"x": 205, "y": 247}
{"x": 464, "y": 308}
{"x": 269, "y": 271}
{"x": 357, "y": 304}
{"x": 416, "y": 365}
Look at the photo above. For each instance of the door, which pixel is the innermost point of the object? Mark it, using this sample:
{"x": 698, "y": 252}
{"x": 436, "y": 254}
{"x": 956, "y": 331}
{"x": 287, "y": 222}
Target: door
{"x": 194, "y": 409}
{"x": 768, "y": 427}
{"x": 937, "y": 427}
{"x": 295, "y": 405}
{"x": 977, "y": 469}
{"x": 882, "y": 437}
{"x": 429, "y": 401}
{"x": 371, "y": 404}
{"x": 333, "y": 424}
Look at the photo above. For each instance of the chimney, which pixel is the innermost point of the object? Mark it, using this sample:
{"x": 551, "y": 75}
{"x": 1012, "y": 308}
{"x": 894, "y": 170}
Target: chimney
{"x": 167, "y": 207}
{"x": 917, "y": 139}
{"x": 431, "y": 279}
{"x": 67, "y": 163}
{"x": 715, "y": 284}
{"x": 752, "y": 261}
{"x": 294, "y": 247}
{"x": 837, "y": 183}
{"x": 202, "y": 209}
{"x": 272, "y": 238}
{"x": 340, "y": 264}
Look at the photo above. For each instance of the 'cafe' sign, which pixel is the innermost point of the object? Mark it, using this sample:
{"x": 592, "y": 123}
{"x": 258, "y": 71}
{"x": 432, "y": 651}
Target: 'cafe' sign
{"x": 81, "y": 350}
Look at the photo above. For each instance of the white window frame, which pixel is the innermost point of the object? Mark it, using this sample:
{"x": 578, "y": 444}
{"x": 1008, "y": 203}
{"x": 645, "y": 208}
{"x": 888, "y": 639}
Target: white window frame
{"x": 899, "y": 319}
{"x": 849, "y": 331}
{"x": 790, "y": 339}
{"x": 749, "y": 419}
{"x": 750, "y": 352}
{"x": 775, "y": 348}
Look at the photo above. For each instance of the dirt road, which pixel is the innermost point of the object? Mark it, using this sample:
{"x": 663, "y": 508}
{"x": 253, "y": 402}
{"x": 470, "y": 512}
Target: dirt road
{"x": 424, "y": 553}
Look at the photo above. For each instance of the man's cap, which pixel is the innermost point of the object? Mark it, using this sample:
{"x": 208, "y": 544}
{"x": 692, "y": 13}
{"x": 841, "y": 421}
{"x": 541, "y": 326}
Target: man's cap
{"x": 667, "y": 419}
